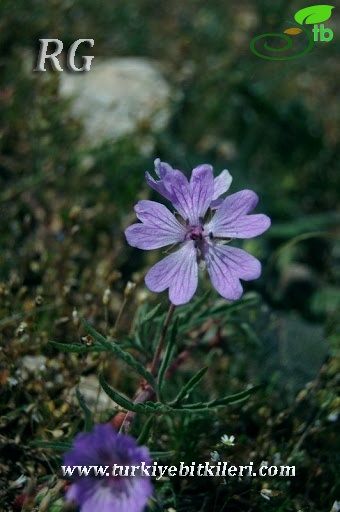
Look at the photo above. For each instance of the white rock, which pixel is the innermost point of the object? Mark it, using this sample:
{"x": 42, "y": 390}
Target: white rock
{"x": 116, "y": 96}
{"x": 32, "y": 365}
{"x": 92, "y": 393}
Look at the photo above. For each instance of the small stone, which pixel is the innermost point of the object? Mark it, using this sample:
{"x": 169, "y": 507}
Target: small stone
{"x": 93, "y": 395}
{"x": 32, "y": 365}
{"x": 118, "y": 97}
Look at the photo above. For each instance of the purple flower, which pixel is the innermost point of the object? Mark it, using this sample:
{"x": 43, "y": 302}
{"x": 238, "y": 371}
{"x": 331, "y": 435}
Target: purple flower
{"x": 105, "y": 447}
{"x": 201, "y": 233}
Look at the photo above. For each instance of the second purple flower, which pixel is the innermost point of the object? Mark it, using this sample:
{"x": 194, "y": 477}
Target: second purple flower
{"x": 200, "y": 231}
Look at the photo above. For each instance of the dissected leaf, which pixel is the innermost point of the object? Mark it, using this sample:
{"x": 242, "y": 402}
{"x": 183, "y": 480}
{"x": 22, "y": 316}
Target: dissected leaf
{"x": 293, "y": 31}
{"x": 77, "y": 348}
{"x": 190, "y": 385}
{"x": 152, "y": 407}
{"x": 86, "y": 410}
{"x": 151, "y": 314}
{"x": 115, "y": 396}
{"x": 234, "y": 399}
{"x": 314, "y": 14}
{"x": 113, "y": 347}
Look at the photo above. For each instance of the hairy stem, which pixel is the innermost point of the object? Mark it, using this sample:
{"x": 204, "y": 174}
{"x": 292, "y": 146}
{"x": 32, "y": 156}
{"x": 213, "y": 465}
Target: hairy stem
{"x": 145, "y": 391}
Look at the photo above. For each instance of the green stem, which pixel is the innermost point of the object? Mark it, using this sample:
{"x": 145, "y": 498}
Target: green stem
{"x": 146, "y": 392}
{"x": 160, "y": 344}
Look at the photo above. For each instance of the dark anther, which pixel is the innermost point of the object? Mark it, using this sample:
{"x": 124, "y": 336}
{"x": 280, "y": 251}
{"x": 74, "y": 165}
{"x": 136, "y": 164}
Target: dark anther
{"x": 211, "y": 236}
{"x": 195, "y": 244}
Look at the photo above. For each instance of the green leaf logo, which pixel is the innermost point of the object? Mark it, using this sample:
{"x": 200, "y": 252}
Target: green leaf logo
{"x": 314, "y": 14}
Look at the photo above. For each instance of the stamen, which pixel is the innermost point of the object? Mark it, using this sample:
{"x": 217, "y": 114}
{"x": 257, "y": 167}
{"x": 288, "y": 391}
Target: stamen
{"x": 223, "y": 239}
{"x": 211, "y": 236}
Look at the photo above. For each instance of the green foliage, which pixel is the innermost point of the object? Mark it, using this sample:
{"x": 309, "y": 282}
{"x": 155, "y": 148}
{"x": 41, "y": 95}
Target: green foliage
{"x": 114, "y": 348}
{"x": 189, "y": 386}
{"x": 176, "y": 406}
{"x": 87, "y": 413}
{"x": 169, "y": 353}
{"x": 52, "y": 445}
{"x": 77, "y": 348}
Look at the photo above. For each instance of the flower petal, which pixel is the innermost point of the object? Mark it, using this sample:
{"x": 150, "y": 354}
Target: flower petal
{"x": 231, "y": 219}
{"x": 160, "y": 227}
{"x": 131, "y": 498}
{"x": 106, "y": 448}
{"x": 201, "y": 191}
{"x": 178, "y": 272}
{"x": 161, "y": 169}
{"x": 192, "y": 199}
{"x": 222, "y": 184}
{"x": 227, "y": 265}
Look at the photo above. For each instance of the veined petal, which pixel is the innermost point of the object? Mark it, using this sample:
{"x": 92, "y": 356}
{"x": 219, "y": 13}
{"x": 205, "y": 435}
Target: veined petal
{"x": 231, "y": 219}
{"x": 192, "y": 199}
{"x": 178, "y": 272}
{"x": 177, "y": 187}
{"x": 161, "y": 169}
{"x": 246, "y": 226}
{"x": 201, "y": 191}
{"x": 222, "y": 184}
{"x": 159, "y": 227}
{"x": 227, "y": 265}
{"x": 156, "y": 214}
{"x": 216, "y": 203}
{"x": 158, "y": 186}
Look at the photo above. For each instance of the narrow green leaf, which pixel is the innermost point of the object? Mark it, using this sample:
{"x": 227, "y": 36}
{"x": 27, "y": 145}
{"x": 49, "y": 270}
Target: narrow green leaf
{"x": 151, "y": 314}
{"x": 169, "y": 352}
{"x": 115, "y": 396}
{"x": 115, "y": 349}
{"x": 217, "y": 403}
{"x": 53, "y": 445}
{"x": 152, "y": 408}
{"x": 190, "y": 385}
{"x": 145, "y": 433}
{"x": 236, "y": 305}
{"x": 86, "y": 411}
{"x": 193, "y": 307}
{"x": 233, "y": 399}
{"x": 250, "y": 333}
{"x": 77, "y": 348}
{"x": 222, "y": 309}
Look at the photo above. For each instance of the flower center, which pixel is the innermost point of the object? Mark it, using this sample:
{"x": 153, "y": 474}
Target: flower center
{"x": 195, "y": 233}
